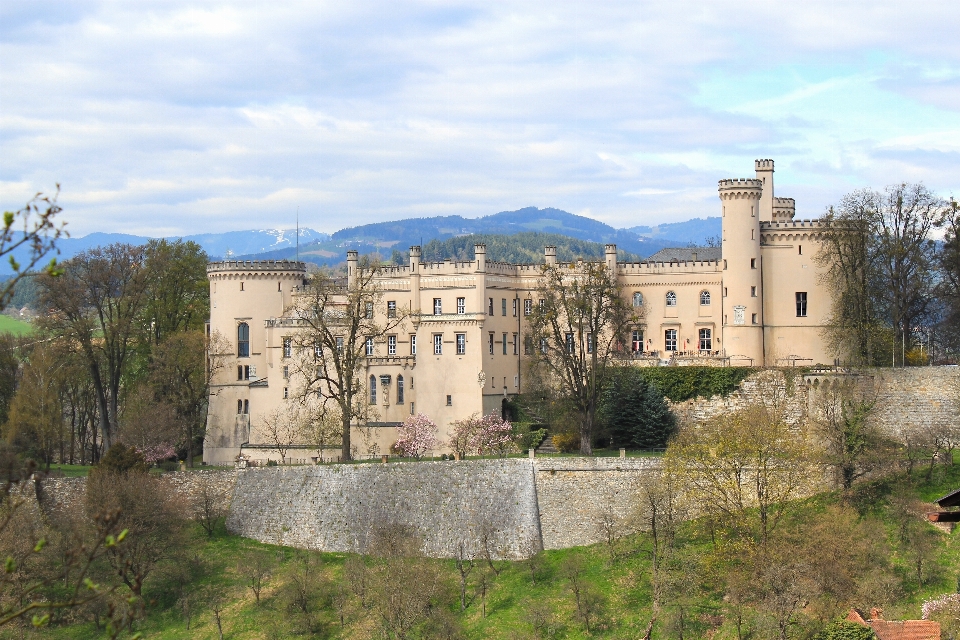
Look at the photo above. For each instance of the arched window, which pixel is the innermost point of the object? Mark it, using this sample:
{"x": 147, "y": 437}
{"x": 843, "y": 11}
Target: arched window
{"x": 705, "y": 298}
{"x": 373, "y": 389}
{"x": 243, "y": 340}
{"x": 671, "y": 299}
{"x": 637, "y": 299}
{"x": 399, "y": 389}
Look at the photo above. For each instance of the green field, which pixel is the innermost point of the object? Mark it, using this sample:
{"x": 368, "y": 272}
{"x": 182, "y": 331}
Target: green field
{"x": 520, "y": 605}
{"x": 14, "y": 326}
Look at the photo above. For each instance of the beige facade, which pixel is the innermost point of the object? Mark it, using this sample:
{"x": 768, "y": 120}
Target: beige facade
{"x": 756, "y": 302}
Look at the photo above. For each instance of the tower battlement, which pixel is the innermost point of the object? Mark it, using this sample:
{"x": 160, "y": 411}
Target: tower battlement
{"x": 250, "y": 266}
{"x": 765, "y": 164}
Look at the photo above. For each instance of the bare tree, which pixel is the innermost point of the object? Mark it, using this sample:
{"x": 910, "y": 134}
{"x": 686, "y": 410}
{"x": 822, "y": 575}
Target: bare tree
{"x": 464, "y": 561}
{"x": 576, "y": 328}
{"x": 97, "y": 303}
{"x": 255, "y": 569}
{"x": 210, "y": 504}
{"x": 282, "y": 429}
{"x": 32, "y": 232}
{"x": 336, "y": 321}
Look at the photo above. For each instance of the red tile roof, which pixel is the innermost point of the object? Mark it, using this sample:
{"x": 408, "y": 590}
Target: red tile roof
{"x": 899, "y": 629}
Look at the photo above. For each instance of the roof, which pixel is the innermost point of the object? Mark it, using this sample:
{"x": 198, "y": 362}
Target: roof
{"x": 952, "y": 499}
{"x": 898, "y": 629}
{"x": 681, "y": 254}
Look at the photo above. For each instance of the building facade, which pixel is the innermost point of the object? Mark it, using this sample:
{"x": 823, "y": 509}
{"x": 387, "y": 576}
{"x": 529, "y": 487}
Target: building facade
{"x": 758, "y": 301}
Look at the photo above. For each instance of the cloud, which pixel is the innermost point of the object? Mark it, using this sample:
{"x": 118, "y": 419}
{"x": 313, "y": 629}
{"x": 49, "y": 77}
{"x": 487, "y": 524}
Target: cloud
{"x": 166, "y": 116}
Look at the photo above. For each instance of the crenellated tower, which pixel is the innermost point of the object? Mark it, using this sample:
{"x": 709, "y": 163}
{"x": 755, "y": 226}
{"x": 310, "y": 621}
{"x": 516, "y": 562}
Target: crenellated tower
{"x": 742, "y": 281}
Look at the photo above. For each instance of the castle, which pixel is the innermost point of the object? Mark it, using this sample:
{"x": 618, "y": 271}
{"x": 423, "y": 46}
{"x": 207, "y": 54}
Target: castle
{"x": 757, "y": 301}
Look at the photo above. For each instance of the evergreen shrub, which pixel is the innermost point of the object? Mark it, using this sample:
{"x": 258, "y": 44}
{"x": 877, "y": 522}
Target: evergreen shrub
{"x": 635, "y": 412}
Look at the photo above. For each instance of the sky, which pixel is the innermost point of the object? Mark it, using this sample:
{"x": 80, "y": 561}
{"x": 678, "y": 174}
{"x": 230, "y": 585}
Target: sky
{"x": 170, "y": 118}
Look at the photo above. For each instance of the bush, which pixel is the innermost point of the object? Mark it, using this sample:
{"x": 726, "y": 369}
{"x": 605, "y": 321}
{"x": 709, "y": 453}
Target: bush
{"x": 567, "y": 442}
{"x": 684, "y": 383}
{"x": 526, "y": 437}
{"x": 846, "y": 630}
{"x": 120, "y": 459}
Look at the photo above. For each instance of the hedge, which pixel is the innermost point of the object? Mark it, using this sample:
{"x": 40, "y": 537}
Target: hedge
{"x": 684, "y": 383}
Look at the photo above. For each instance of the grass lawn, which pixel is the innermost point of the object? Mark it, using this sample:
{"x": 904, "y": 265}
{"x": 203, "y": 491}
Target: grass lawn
{"x": 14, "y": 326}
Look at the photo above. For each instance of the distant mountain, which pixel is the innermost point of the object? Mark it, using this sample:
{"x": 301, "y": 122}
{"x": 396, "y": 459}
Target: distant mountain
{"x": 696, "y": 231}
{"x": 217, "y": 245}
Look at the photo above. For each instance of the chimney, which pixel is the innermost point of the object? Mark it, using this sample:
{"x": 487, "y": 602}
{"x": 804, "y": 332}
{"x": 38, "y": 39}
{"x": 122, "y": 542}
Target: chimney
{"x": 876, "y": 613}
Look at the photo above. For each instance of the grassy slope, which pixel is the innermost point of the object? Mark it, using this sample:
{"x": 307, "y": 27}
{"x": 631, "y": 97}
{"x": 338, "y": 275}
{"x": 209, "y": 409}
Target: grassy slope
{"x": 14, "y": 326}
{"x": 624, "y": 582}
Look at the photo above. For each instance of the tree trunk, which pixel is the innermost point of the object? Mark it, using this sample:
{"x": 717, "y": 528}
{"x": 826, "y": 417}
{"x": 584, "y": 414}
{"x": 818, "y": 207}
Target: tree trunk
{"x": 586, "y": 435}
{"x": 345, "y": 439}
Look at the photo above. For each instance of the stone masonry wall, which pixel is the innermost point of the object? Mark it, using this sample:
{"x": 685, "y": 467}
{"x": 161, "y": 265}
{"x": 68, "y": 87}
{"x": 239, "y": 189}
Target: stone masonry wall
{"x": 574, "y": 493}
{"x": 339, "y": 507}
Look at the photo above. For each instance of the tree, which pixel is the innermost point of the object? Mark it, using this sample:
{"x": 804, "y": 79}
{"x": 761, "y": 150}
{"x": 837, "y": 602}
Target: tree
{"x": 255, "y": 569}
{"x": 282, "y": 428}
{"x": 37, "y": 238}
{"x": 180, "y": 375}
{"x": 635, "y": 411}
{"x": 335, "y": 321}
{"x": 98, "y": 302}
{"x": 416, "y": 436}
{"x": 178, "y": 292}
{"x": 854, "y": 445}
{"x": 879, "y": 257}
{"x": 36, "y": 413}
{"x": 210, "y": 505}
{"x": 575, "y": 330}
{"x": 743, "y": 467}
{"x": 948, "y": 259}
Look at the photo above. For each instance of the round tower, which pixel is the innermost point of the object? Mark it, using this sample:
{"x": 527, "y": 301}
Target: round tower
{"x": 742, "y": 285}
{"x": 764, "y": 169}
{"x": 610, "y": 257}
{"x": 244, "y": 294}
{"x": 550, "y": 255}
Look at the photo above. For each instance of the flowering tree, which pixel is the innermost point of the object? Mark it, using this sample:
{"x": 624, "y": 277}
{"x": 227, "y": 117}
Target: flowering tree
{"x": 487, "y": 433}
{"x": 417, "y": 435}
{"x": 157, "y": 453}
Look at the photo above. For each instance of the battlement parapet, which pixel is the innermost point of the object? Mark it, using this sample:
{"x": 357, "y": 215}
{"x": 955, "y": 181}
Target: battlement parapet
{"x": 740, "y": 188}
{"x": 765, "y": 164}
{"x": 256, "y": 266}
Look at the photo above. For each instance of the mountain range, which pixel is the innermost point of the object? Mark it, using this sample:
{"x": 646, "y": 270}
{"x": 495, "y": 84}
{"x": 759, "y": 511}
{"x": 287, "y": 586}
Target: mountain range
{"x": 387, "y": 237}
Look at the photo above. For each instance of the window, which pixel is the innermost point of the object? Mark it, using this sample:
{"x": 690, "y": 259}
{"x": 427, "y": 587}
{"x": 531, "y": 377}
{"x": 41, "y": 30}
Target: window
{"x": 753, "y": 292}
{"x": 543, "y": 345}
{"x": 243, "y": 340}
{"x": 411, "y": 408}
{"x": 286, "y": 372}
{"x": 724, "y": 292}
{"x": 753, "y": 318}
{"x": 391, "y": 345}
{"x": 503, "y": 306}
{"x": 461, "y": 305}
{"x": 399, "y": 389}
{"x": 437, "y": 344}
{"x": 413, "y": 345}
{"x": 589, "y": 343}
{"x": 286, "y": 393}
{"x": 527, "y": 307}
{"x": 318, "y": 350}
{"x": 636, "y": 341}
{"x": 278, "y": 287}
{"x": 340, "y": 345}
{"x": 368, "y": 344}
{"x": 706, "y": 340}
{"x": 246, "y": 407}
{"x": 287, "y": 347}
{"x": 449, "y": 401}
{"x": 801, "y": 304}
{"x": 490, "y": 310}
{"x": 516, "y": 307}
{"x": 437, "y": 307}
{"x": 671, "y": 299}
{"x": 705, "y": 298}
{"x": 516, "y": 344}
{"x": 637, "y": 299}
{"x": 239, "y": 372}
{"x": 724, "y": 265}
{"x": 799, "y": 249}
{"x": 490, "y": 337}
{"x": 461, "y": 344}
{"x": 670, "y": 340}
{"x": 241, "y": 286}
{"x": 391, "y": 308}
{"x": 753, "y": 234}
{"x": 373, "y": 389}
{"x": 527, "y": 346}
{"x": 753, "y": 263}
{"x": 543, "y": 304}
{"x": 239, "y": 407}
{"x": 569, "y": 341}
{"x": 368, "y": 310}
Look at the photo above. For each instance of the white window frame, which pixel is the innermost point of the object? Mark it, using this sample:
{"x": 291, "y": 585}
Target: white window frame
{"x": 461, "y": 305}
{"x": 391, "y": 345}
{"x": 705, "y": 298}
{"x": 461, "y": 344}
{"x": 369, "y": 347}
{"x": 670, "y": 338}
{"x": 438, "y": 344}
{"x": 637, "y": 299}
{"x": 671, "y": 298}
{"x": 705, "y": 339}
{"x": 438, "y": 306}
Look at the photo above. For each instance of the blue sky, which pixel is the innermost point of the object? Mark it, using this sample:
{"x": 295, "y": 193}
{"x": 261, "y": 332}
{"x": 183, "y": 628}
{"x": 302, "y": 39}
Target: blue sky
{"x": 163, "y": 118}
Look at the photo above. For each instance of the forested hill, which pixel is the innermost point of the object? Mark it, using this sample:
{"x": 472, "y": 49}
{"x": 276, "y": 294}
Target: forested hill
{"x": 519, "y": 248}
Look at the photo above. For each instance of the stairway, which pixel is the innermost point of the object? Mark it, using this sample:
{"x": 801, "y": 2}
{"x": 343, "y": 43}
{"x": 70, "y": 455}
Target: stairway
{"x": 546, "y": 446}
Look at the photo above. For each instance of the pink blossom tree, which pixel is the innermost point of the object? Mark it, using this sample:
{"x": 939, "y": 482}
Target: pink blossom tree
{"x": 494, "y": 434}
{"x": 464, "y": 434}
{"x": 416, "y": 436}
{"x": 157, "y": 453}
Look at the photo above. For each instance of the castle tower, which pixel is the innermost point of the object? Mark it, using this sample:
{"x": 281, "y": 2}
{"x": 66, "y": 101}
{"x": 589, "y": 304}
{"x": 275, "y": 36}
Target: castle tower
{"x": 742, "y": 282}
{"x": 244, "y": 295}
{"x": 550, "y": 256}
{"x": 480, "y": 255}
{"x": 352, "y": 265}
{"x": 415, "y": 278}
{"x": 610, "y": 256}
{"x": 764, "y": 170}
